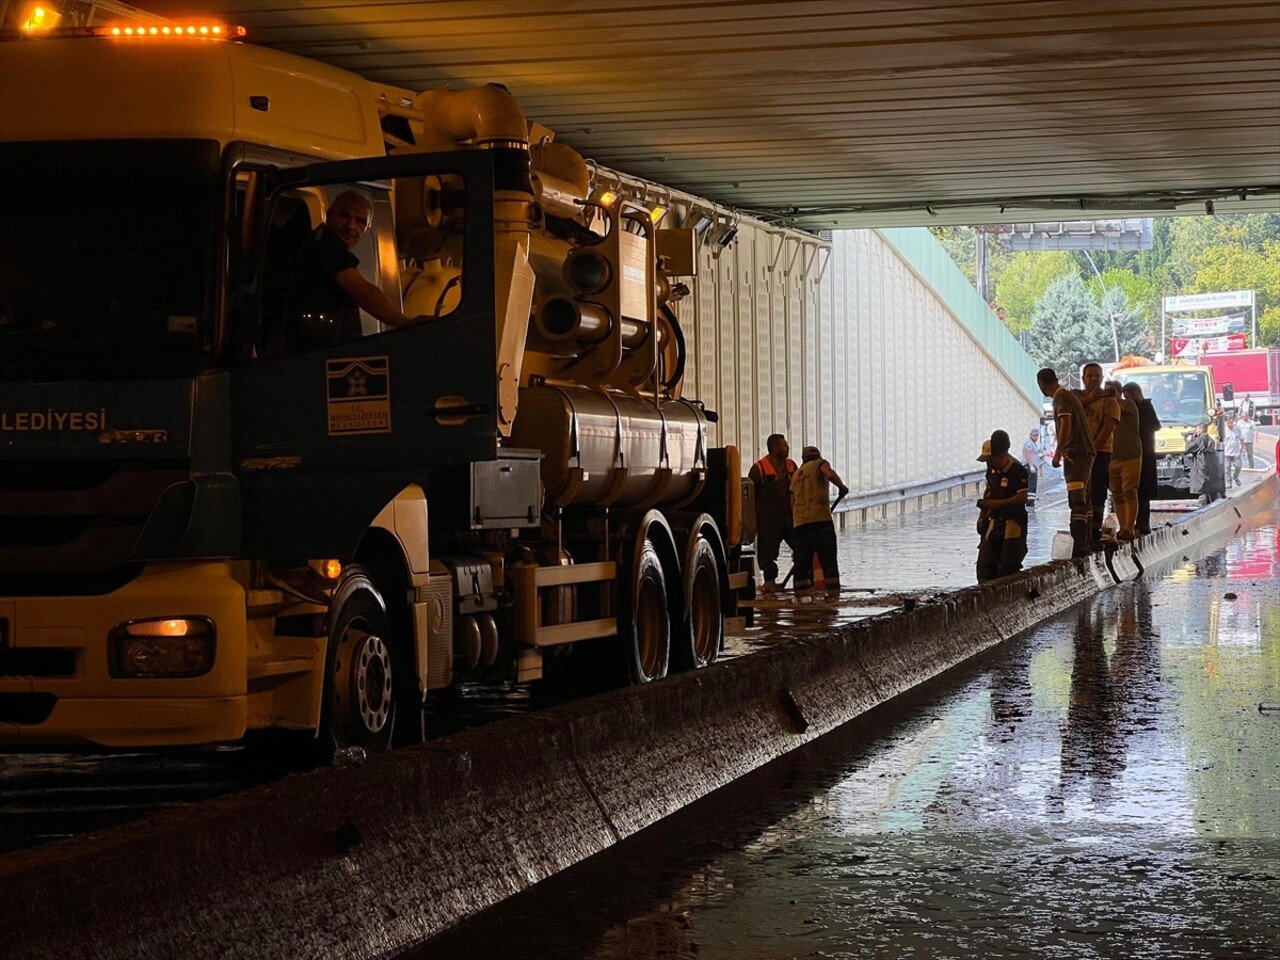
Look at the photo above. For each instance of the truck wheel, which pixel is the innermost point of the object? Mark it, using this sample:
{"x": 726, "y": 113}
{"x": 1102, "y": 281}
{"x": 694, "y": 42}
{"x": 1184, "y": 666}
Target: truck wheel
{"x": 645, "y": 626}
{"x": 702, "y": 629}
{"x": 359, "y": 708}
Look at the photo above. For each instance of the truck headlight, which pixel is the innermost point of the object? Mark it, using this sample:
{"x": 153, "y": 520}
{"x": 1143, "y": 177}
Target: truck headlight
{"x": 169, "y": 647}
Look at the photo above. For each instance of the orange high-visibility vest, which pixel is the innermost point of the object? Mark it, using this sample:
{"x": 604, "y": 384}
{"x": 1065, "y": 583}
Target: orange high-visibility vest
{"x": 767, "y": 468}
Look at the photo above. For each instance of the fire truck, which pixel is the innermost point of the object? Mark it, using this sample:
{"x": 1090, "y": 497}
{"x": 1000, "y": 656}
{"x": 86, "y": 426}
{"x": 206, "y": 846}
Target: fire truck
{"x": 205, "y": 533}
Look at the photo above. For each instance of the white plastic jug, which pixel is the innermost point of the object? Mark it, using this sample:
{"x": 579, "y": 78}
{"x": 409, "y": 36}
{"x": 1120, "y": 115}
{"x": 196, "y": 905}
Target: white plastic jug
{"x": 1063, "y": 545}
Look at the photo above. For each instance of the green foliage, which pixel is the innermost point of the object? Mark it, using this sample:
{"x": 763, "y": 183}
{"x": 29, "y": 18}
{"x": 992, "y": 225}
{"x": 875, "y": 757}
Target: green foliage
{"x": 1132, "y": 331}
{"x": 959, "y": 244}
{"x": 1151, "y": 265}
{"x": 1236, "y": 265}
{"x": 1069, "y": 327}
{"x": 1025, "y": 280}
{"x": 1269, "y": 327}
{"x": 1190, "y": 237}
{"x": 1191, "y": 254}
{"x": 1140, "y": 302}
{"x": 1141, "y": 292}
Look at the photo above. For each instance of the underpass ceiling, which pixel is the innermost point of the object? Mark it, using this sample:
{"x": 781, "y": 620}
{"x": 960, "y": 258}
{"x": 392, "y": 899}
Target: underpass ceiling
{"x": 827, "y": 114}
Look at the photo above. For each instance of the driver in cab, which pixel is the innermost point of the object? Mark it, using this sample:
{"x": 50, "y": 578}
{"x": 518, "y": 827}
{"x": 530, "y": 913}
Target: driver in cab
{"x": 327, "y": 291}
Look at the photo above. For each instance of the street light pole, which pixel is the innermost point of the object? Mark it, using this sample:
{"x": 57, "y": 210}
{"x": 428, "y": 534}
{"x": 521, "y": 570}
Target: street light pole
{"x": 1115, "y": 338}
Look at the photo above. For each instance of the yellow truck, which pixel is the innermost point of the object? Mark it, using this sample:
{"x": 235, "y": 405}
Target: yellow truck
{"x": 207, "y": 531}
{"x": 1183, "y": 396}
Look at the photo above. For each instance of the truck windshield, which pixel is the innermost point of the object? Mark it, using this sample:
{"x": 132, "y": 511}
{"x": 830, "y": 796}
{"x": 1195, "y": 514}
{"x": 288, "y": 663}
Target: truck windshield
{"x": 1178, "y": 396}
{"x": 104, "y": 258}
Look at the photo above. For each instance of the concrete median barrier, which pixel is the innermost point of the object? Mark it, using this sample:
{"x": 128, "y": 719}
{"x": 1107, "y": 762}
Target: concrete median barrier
{"x": 369, "y": 861}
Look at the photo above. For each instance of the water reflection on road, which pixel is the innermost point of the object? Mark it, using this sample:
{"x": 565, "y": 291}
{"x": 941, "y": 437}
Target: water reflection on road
{"x": 1106, "y": 786}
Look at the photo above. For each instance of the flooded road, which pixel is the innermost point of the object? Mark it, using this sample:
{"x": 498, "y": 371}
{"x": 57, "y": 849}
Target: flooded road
{"x": 921, "y": 555}
{"x": 1107, "y": 785}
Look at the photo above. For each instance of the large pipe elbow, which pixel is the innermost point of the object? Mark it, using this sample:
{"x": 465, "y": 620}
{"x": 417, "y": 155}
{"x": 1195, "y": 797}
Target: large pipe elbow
{"x": 487, "y": 115}
{"x": 565, "y": 164}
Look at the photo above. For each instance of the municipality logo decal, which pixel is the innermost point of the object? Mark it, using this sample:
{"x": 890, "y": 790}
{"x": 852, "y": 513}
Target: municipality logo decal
{"x": 359, "y": 395}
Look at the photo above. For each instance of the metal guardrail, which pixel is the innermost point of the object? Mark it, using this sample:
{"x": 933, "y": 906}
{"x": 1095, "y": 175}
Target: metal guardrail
{"x": 897, "y": 494}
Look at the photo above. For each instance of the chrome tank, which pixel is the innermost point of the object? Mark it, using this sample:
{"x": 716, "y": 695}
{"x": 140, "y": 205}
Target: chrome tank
{"x": 612, "y": 449}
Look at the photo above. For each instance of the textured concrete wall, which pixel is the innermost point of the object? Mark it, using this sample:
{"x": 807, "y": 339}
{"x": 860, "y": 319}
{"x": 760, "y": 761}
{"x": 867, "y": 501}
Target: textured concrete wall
{"x": 875, "y": 352}
{"x": 367, "y": 862}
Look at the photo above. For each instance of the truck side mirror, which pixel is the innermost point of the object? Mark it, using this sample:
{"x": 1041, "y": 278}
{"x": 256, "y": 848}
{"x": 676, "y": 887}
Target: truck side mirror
{"x": 1228, "y": 393}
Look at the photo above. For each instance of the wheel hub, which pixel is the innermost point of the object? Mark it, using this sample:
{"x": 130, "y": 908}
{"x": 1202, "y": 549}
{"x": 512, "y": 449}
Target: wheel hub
{"x": 370, "y": 680}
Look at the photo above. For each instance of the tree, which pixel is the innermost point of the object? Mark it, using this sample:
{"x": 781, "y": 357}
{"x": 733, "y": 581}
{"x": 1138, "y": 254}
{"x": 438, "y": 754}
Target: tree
{"x": 959, "y": 244}
{"x": 1068, "y": 327}
{"x": 1235, "y": 266}
{"x": 1131, "y": 330}
{"x": 1193, "y": 238}
{"x": 1269, "y": 328}
{"x": 1140, "y": 293}
{"x": 1190, "y": 236}
{"x": 1189, "y": 254}
{"x": 1140, "y": 304}
{"x": 1024, "y": 282}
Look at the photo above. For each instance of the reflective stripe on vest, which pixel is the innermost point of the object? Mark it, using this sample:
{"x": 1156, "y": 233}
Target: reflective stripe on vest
{"x": 767, "y": 468}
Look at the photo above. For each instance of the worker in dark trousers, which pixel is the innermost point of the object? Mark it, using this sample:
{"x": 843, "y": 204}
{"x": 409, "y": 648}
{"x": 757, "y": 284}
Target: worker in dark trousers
{"x": 1074, "y": 453}
{"x": 815, "y": 528}
{"x": 1148, "y": 482}
{"x": 1004, "y": 504}
{"x": 771, "y": 479}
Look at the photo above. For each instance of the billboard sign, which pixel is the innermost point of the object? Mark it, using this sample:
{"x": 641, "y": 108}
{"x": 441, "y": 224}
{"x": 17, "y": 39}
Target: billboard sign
{"x": 1210, "y": 301}
{"x": 1195, "y": 346}
{"x": 1134, "y": 234}
{"x": 1208, "y": 326}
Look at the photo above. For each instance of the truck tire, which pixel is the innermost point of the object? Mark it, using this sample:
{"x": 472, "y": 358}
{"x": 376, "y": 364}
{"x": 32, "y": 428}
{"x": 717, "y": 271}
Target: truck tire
{"x": 644, "y": 625}
{"x": 700, "y": 630}
{"x": 359, "y": 707}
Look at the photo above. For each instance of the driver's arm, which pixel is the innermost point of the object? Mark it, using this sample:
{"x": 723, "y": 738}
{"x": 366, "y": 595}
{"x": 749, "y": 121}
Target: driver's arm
{"x": 370, "y": 298}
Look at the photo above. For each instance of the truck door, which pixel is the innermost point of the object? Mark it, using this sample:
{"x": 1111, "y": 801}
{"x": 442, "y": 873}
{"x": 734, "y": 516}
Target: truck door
{"x": 326, "y": 431}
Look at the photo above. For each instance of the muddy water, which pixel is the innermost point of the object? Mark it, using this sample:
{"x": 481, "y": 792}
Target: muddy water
{"x": 1106, "y": 786}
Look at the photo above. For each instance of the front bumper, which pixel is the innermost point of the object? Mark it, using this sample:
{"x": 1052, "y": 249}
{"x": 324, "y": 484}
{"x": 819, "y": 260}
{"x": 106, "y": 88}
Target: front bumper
{"x": 56, "y": 689}
{"x": 1172, "y": 470}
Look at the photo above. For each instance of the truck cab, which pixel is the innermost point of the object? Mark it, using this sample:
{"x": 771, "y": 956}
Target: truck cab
{"x": 204, "y": 533}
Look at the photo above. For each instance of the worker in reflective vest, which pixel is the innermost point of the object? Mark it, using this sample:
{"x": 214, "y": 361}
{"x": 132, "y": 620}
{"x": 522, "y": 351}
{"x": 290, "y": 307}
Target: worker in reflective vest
{"x": 815, "y": 529}
{"x": 771, "y": 479}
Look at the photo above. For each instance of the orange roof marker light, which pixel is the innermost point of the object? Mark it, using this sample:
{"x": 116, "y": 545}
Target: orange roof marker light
{"x": 193, "y": 31}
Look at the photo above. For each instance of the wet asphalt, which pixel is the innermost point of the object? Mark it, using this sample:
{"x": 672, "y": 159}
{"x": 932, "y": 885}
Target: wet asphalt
{"x": 45, "y": 796}
{"x": 1105, "y": 785}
